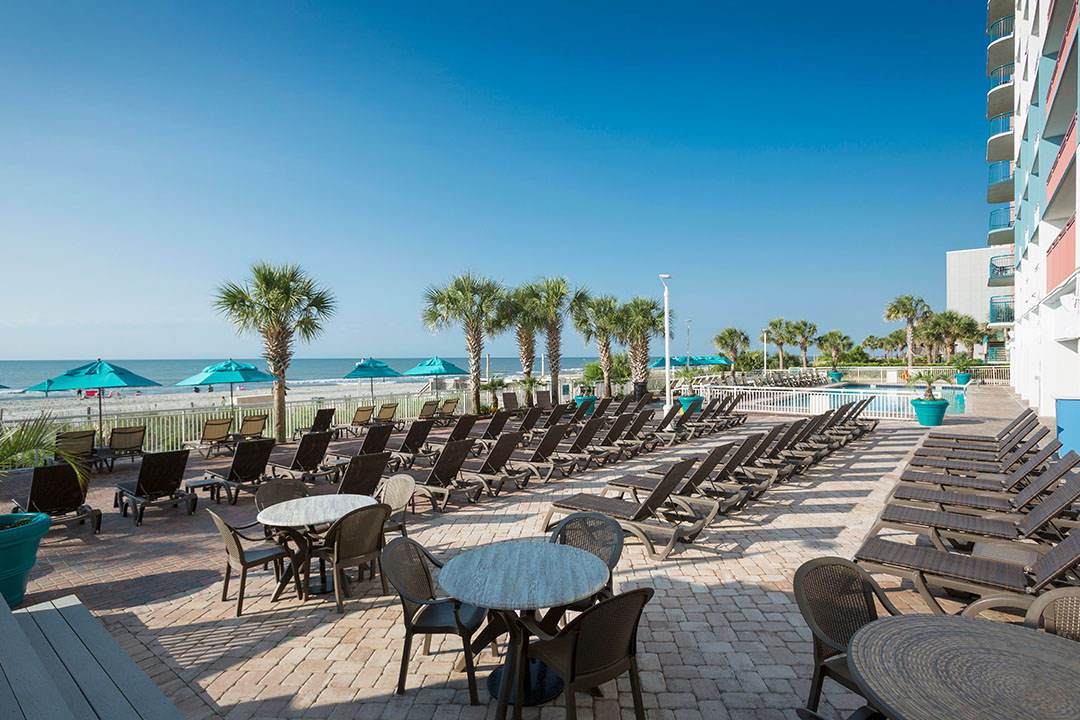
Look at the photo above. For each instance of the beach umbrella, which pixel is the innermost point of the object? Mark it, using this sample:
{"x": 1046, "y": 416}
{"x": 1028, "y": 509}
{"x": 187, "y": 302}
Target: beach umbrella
{"x": 435, "y": 367}
{"x": 99, "y": 375}
{"x": 371, "y": 368}
{"x": 3, "y": 387}
{"x": 695, "y": 361}
{"x": 231, "y": 372}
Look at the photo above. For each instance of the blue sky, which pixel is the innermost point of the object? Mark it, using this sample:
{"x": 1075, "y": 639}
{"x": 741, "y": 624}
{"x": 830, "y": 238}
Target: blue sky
{"x": 784, "y": 160}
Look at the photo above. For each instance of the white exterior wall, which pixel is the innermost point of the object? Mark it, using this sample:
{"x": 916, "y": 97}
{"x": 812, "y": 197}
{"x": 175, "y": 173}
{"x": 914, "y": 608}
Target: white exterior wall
{"x": 966, "y": 273}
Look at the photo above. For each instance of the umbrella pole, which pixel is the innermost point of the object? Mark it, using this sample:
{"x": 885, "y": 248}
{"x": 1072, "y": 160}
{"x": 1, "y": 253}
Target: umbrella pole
{"x": 372, "y": 382}
{"x": 100, "y": 418}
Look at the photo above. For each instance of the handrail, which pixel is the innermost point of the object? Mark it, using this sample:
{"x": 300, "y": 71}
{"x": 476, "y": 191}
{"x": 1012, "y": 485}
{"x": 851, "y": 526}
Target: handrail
{"x": 1060, "y": 60}
{"x": 1001, "y": 171}
{"x": 1002, "y": 28}
{"x": 1001, "y": 123}
{"x": 1002, "y": 266}
{"x": 996, "y": 223}
{"x": 1061, "y": 234}
{"x": 1001, "y": 309}
{"x": 1001, "y": 75}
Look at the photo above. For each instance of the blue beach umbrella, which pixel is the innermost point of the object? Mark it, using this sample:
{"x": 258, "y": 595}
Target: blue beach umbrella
{"x": 98, "y": 375}
{"x": 371, "y": 368}
{"x": 694, "y": 361}
{"x": 434, "y": 367}
{"x": 231, "y": 372}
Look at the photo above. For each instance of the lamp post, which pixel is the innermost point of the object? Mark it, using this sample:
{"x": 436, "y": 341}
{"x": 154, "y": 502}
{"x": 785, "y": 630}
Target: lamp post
{"x": 667, "y": 344}
{"x": 688, "y": 343}
{"x": 764, "y": 352}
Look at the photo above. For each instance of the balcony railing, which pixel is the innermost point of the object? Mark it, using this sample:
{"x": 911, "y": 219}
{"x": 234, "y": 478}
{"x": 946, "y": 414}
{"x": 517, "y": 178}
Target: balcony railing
{"x": 1001, "y": 123}
{"x": 1002, "y": 28}
{"x": 1000, "y": 75}
{"x": 1001, "y": 218}
{"x": 1001, "y": 309}
{"x": 1001, "y": 171}
{"x": 1001, "y": 266}
{"x": 997, "y": 354}
{"x": 1062, "y": 53}
{"x": 1064, "y": 155}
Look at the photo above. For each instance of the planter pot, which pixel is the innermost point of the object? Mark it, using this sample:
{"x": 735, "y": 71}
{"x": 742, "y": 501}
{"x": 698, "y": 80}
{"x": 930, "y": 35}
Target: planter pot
{"x": 836, "y": 376}
{"x": 18, "y": 553}
{"x": 589, "y": 400}
{"x": 962, "y": 378}
{"x": 930, "y": 412}
{"x": 687, "y": 400}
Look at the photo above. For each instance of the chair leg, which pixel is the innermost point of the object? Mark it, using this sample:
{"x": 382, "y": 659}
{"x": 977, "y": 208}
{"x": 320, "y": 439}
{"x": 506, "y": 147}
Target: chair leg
{"x": 404, "y": 663}
{"x": 635, "y": 688}
{"x": 470, "y": 670}
{"x": 382, "y": 577}
{"x": 339, "y": 587}
{"x": 815, "y": 689}
{"x": 427, "y": 644}
{"x": 521, "y": 666}
{"x": 240, "y": 596}
{"x": 570, "y": 693}
{"x": 225, "y": 585}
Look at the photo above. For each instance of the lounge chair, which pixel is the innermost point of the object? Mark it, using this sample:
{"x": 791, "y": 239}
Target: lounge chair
{"x": 543, "y": 400}
{"x": 123, "y": 442}
{"x": 460, "y": 431}
{"x": 387, "y": 411}
{"x": 404, "y": 454}
{"x": 79, "y": 445}
{"x": 960, "y": 437}
{"x": 540, "y": 461}
{"x": 974, "y": 467}
{"x": 579, "y": 413}
{"x": 428, "y": 410}
{"x": 973, "y": 451}
{"x": 355, "y": 540}
{"x": 607, "y": 449}
{"x": 242, "y": 558}
{"x": 576, "y": 455}
{"x": 445, "y": 414}
{"x": 307, "y": 461}
{"x": 555, "y": 416}
{"x": 158, "y": 484}
{"x": 323, "y": 422}
{"x": 1025, "y": 426}
{"x": 528, "y": 421}
{"x": 58, "y": 491}
{"x": 930, "y": 567}
{"x": 374, "y": 442}
{"x": 492, "y": 471}
{"x": 1010, "y": 482}
{"x": 248, "y": 468}
{"x": 363, "y": 474}
{"x": 251, "y": 428}
{"x": 600, "y": 407}
{"x": 215, "y": 436}
{"x": 442, "y": 481}
{"x": 662, "y": 426}
{"x": 510, "y": 403}
{"x": 635, "y": 440}
{"x": 644, "y": 520}
{"x": 361, "y": 421}
{"x": 494, "y": 426}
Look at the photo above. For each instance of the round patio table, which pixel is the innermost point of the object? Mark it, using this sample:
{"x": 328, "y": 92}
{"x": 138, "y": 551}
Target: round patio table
{"x": 929, "y": 667}
{"x": 313, "y": 511}
{"x": 518, "y": 576}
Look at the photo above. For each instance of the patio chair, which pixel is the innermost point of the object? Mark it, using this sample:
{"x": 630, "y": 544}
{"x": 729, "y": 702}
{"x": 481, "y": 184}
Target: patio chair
{"x": 601, "y": 407}
{"x": 529, "y": 418}
{"x": 79, "y": 445}
{"x": 361, "y": 421}
{"x": 397, "y": 492}
{"x": 428, "y": 410}
{"x": 494, "y": 426}
{"x": 123, "y": 442}
{"x": 307, "y": 461}
{"x": 576, "y": 455}
{"x": 445, "y": 414}
{"x": 595, "y": 647}
{"x": 554, "y": 417}
{"x": 594, "y": 533}
{"x": 363, "y": 474}
{"x": 247, "y": 470}
{"x": 542, "y": 400}
{"x": 960, "y": 437}
{"x": 1057, "y": 612}
{"x": 492, "y": 471}
{"x": 354, "y": 540}
{"x": 387, "y": 411}
{"x": 540, "y": 461}
{"x": 272, "y": 492}
{"x": 989, "y": 482}
{"x": 621, "y": 408}
{"x": 215, "y": 436}
{"x": 405, "y": 453}
{"x": 1021, "y": 429}
{"x": 460, "y": 431}
{"x": 405, "y": 564}
{"x": 57, "y": 491}
{"x": 240, "y": 558}
{"x": 374, "y": 442}
{"x": 635, "y": 440}
{"x": 251, "y": 428}
{"x": 663, "y": 425}
{"x": 836, "y": 598}
{"x": 975, "y": 467}
{"x": 441, "y": 482}
{"x": 324, "y": 419}
{"x": 510, "y": 403}
{"x": 972, "y": 451}
{"x": 158, "y": 484}
{"x": 644, "y": 519}
{"x": 607, "y": 449}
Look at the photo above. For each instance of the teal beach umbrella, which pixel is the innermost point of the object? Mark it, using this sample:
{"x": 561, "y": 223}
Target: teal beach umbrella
{"x": 99, "y": 375}
{"x": 435, "y": 367}
{"x": 371, "y": 368}
{"x": 231, "y": 372}
{"x": 694, "y": 361}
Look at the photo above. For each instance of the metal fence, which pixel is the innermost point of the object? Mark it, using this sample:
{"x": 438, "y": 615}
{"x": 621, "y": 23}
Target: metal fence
{"x": 812, "y": 401}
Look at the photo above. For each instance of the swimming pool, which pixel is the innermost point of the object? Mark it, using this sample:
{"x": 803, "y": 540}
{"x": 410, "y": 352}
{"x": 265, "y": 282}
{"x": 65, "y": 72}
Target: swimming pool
{"x": 955, "y": 395}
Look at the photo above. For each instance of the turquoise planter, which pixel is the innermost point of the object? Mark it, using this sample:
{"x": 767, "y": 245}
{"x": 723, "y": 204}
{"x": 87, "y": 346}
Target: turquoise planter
{"x": 687, "y": 400}
{"x": 18, "y": 553}
{"x": 836, "y": 376}
{"x": 930, "y": 413}
{"x": 962, "y": 378}
{"x": 589, "y": 400}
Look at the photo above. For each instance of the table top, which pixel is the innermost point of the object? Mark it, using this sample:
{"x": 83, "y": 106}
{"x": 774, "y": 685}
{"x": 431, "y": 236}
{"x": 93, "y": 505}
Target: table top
{"x": 927, "y": 667}
{"x": 312, "y": 510}
{"x": 522, "y": 575}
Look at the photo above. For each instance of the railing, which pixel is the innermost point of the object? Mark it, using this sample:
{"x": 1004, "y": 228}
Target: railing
{"x": 1001, "y": 75}
{"x": 1001, "y": 218}
{"x": 1001, "y": 309}
{"x": 1064, "y": 155}
{"x": 809, "y": 401}
{"x": 893, "y": 374}
{"x": 1001, "y": 171}
{"x": 1001, "y": 123}
{"x": 1061, "y": 255}
{"x": 1002, "y": 28}
{"x": 1002, "y": 266}
{"x": 1061, "y": 56}
{"x": 998, "y": 355}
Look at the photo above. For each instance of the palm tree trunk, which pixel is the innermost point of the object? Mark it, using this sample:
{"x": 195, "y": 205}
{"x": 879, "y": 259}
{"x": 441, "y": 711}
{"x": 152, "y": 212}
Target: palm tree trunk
{"x": 603, "y": 349}
{"x": 639, "y": 360}
{"x": 910, "y": 343}
{"x": 278, "y": 355}
{"x": 474, "y": 341}
{"x": 554, "y": 352}
{"x": 526, "y": 341}
{"x": 780, "y": 354}
{"x": 802, "y": 348}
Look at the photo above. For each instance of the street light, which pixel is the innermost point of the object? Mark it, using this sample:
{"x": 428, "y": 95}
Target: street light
{"x": 688, "y": 343}
{"x": 765, "y": 351}
{"x": 667, "y": 343}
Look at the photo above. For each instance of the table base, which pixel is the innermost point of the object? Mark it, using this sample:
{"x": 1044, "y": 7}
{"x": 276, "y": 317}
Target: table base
{"x": 541, "y": 684}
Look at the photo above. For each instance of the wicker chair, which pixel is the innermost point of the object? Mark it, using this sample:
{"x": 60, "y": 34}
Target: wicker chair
{"x": 594, "y": 533}
{"x": 354, "y": 540}
{"x": 397, "y": 492}
{"x": 863, "y": 713}
{"x": 1058, "y": 612}
{"x": 597, "y": 646}
{"x": 241, "y": 558}
{"x": 405, "y": 563}
{"x": 273, "y": 492}
{"x": 836, "y": 598}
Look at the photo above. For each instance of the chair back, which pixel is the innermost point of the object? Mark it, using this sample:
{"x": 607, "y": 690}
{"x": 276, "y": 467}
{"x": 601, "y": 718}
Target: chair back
{"x": 252, "y": 426}
{"x": 462, "y": 428}
{"x": 1034, "y": 463}
{"x": 606, "y": 634}
{"x": 249, "y": 460}
{"x": 496, "y": 424}
{"x": 785, "y": 440}
{"x": 623, "y": 404}
{"x": 387, "y": 412}
{"x": 55, "y": 489}
{"x": 643, "y": 401}
{"x": 1060, "y": 559}
{"x": 501, "y": 452}
{"x": 549, "y": 442}
{"x": 592, "y": 532}
{"x": 216, "y": 430}
{"x": 127, "y": 439}
{"x": 601, "y": 407}
{"x": 405, "y": 564}
{"x": 428, "y": 410}
{"x": 664, "y": 488}
{"x": 273, "y": 492}
{"x": 638, "y": 424}
{"x": 1051, "y": 506}
{"x": 358, "y": 534}
{"x": 510, "y": 401}
{"x": 1030, "y": 444}
{"x": 688, "y": 413}
{"x": 530, "y": 418}
{"x": 79, "y": 443}
{"x": 668, "y": 417}
{"x": 233, "y": 548}
{"x": 311, "y": 451}
{"x": 363, "y": 474}
{"x": 543, "y": 399}
{"x": 555, "y": 415}
{"x": 747, "y": 446}
{"x": 397, "y": 492}
{"x": 363, "y": 414}
{"x": 450, "y": 461}
{"x": 416, "y": 437}
{"x": 1057, "y": 611}
{"x": 579, "y": 413}
{"x": 161, "y": 473}
{"x": 705, "y": 468}
{"x": 323, "y": 419}
{"x": 836, "y": 598}
{"x": 766, "y": 441}
{"x": 586, "y": 434}
{"x": 1022, "y": 417}
{"x": 449, "y": 406}
{"x": 1045, "y": 481}
{"x": 375, "y": 439}
{"x": 616, "y": 430}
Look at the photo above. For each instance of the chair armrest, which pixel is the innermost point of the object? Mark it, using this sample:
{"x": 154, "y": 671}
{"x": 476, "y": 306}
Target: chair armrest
{"x": 998, "y": 602}
{"x": 212, "y": 474}
{"x": 534, "y": 628}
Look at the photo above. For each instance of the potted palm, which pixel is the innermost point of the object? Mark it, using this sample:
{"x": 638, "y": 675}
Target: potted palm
{"x": 929, "y": 409}
{"x": 20, "y": 533}
{"x": 689, "y": 397}
{"x": 493, "y": 386}
{"x": 529, "y": 383}
{"x": 962, "y": 364}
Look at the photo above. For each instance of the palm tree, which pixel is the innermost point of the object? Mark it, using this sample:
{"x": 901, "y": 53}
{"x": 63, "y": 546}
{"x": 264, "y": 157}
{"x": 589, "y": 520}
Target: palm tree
{"x": 834, "y": 342}
{"x": 779, "y": 332}
{"x": 949, "y": 325}
{"x": 732, "y": 342}
{"x": 640, "y": 320}
{"x": 911, "y": 310}
{"x": 556, "y": 300}
{"x": 929, "y": 334}
{"x": 970, "y": 332}
{"x": 471, "y": 301}
{"x": 283, "y": 304}
{"x": 598, "y": 318}
{"x": 27, "y": 443}
{"x": 871, "y": 343}
{"x": 897, "y": 340}
{"x": 802, "y": 333}
{"x": 520, "y": 309}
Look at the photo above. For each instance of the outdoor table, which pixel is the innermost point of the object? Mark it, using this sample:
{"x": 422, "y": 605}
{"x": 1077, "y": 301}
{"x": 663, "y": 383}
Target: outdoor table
{"x": 309, "y": 512}
{"x": 928, "y": 667}
{"x": 517, "y": 576}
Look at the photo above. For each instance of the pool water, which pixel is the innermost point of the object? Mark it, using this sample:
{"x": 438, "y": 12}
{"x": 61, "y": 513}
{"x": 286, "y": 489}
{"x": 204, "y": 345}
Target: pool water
{"x": 954, "y": 395}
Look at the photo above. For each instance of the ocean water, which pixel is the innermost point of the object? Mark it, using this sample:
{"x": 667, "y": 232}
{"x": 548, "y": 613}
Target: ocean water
{"x": 20, "y": 374}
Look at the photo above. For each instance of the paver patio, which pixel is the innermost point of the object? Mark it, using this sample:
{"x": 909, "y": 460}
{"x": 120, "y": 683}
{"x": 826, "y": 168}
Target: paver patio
{"x": 722, "y": 638}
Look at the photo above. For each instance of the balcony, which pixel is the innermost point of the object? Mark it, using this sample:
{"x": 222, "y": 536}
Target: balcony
{"x": 1000, "y": 187}
{"x": 1000, "y": 48}
{"x": 999, "y": 99}
{"x": 1065, "y": 154}
{"x": 1061, "y": 256}
{"x": 999, "y": 143}
{"x": 997, "y": 354}
{"x": 1001, "y": 227}
{"x": 1001, "y": 310}
{"x": 1064, "y": 49}
{"x": 1001, "y": 270}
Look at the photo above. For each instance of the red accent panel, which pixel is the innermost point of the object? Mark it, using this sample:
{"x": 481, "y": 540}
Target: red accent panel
{"x": 1063, "y": 53}
{"x": 1061, "y": 256}
{"x": 1065, "y": 155}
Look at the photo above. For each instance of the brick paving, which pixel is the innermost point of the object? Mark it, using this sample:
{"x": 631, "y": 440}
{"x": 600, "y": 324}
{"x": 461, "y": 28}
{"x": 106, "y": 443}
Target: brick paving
{"x": 722, "y": 637}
